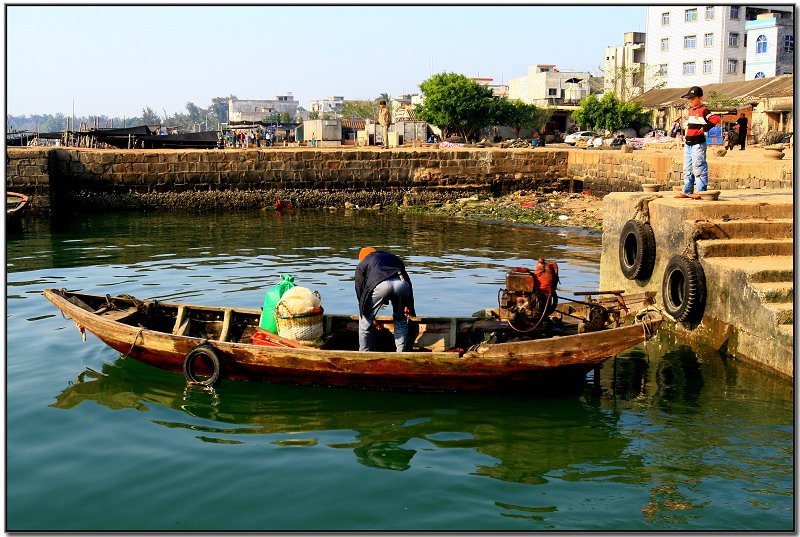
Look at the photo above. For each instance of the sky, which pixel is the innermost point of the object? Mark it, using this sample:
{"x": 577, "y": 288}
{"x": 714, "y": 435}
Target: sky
{"x": 114, "y": 60}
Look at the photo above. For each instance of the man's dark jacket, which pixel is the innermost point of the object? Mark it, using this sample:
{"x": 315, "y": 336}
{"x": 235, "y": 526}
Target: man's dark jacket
{"x": 375, "y": 268}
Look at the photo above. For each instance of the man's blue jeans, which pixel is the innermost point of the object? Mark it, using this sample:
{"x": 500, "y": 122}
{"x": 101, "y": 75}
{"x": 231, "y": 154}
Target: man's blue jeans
{"x": 695, "y": 167}
{"x": 397, "y": 292}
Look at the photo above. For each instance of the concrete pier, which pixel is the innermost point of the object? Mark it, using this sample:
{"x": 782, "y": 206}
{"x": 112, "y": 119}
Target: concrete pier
{"x": 745, "y": 245}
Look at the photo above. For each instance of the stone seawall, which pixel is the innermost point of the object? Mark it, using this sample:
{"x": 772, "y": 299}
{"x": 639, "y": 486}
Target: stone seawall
{"x": 246, "y": 177}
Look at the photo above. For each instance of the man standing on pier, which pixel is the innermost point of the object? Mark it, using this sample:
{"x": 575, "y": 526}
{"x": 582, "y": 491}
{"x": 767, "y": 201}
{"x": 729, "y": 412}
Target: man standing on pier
{"x": 385, "y": 120}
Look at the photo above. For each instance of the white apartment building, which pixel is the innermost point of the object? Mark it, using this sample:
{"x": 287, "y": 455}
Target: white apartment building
{"x": 260, "y": 110}
{"x": 770, "y": 46}
{"x": 697, "y": 45}
{"x": 329, "y": 105}
{"x": 624, "y": 67}
{"x": 544, "y": 85}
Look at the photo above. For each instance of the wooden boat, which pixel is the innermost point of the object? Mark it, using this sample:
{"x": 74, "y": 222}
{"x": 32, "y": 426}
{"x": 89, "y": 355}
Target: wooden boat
{"x": 449, "y": 353}
{"x": 15, "y": 206}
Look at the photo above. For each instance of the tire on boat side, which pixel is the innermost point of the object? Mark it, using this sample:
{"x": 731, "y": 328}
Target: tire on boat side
{"x": 684, "y": 289}
{"x": 211, "y": 355}
{"x": 637, "y": 250}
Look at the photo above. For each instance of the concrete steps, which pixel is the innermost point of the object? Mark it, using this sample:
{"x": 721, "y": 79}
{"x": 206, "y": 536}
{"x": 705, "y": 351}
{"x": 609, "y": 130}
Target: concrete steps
{"x": 783, "y": 312}
{"x": 777, "y": 228}
{"x": 774, "y": 292}
{"x": 760, "y": 269}
{"x": 747, "y": 246}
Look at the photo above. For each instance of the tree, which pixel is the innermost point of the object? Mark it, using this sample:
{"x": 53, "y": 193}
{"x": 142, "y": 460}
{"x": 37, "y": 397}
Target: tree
{"x": 313, "y": 115}
{"x": 610, "y": 113}
{"x": 520, "y": 115}
{"x": 219, "y": 106}
{"x": 361, "y": 109}
{"x": 457, "y": 104}
{"x": 55, "y": 124}
{"x": 150, "y": 117}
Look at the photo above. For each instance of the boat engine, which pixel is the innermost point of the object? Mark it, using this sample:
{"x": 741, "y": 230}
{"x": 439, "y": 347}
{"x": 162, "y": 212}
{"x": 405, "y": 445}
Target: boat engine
{"x": 529, "y": 296}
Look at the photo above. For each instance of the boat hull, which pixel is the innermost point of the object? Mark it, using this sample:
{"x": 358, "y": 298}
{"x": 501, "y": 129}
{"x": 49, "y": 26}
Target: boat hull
{"x": 493, "y": 367}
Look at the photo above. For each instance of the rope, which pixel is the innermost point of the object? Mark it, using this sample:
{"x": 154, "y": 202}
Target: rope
{"x": 134, "y": 343}
{"x": 643, "y": 207}
{"x": 699, "y": 230}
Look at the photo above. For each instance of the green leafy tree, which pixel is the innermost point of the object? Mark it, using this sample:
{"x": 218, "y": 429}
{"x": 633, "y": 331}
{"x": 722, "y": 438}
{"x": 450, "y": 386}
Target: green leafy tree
{"x": 219, "y": 105}
{"x": 195, "y": 114}
{"x": 610, "y": 113}
{"x": 520, "y": 115}
{"x": 149, "y": 116}
{"x": 56, "y": 123}
{"x": 313, "y": 115}
{"x": 361, "y": 109}
{"x": 456, "y": 104}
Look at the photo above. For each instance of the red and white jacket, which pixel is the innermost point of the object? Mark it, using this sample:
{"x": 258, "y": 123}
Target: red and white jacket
{"x": 699, "y": 122}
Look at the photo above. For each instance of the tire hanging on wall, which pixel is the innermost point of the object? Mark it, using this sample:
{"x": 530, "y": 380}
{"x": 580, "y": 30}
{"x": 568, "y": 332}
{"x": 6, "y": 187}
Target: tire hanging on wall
{"x": 683, "y": 289}
{"x": 201, "y": 351}
{"x": 637, "y": 250}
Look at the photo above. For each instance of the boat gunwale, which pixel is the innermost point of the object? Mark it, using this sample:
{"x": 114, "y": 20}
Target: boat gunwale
{"x": 495, "y": 355}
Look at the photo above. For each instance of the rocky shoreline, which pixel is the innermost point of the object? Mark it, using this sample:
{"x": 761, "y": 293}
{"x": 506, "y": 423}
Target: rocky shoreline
{"x": 556, "y": 209}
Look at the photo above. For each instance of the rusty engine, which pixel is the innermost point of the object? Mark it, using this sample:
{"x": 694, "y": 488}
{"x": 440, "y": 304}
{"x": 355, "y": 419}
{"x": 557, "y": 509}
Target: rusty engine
{"x": 529, "y": 296}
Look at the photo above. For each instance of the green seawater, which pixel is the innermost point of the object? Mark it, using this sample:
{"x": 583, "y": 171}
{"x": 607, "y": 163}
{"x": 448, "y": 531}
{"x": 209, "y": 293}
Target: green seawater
{"x": 667, "y": 438}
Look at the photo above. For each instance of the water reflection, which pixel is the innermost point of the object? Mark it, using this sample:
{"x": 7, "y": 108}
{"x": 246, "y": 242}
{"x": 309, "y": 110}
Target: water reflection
{"x": 527, "y": 437}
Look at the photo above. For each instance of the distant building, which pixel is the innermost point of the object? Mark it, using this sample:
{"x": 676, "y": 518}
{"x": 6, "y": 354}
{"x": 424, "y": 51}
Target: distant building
{"x": 498, "y": 90}
{"x": 329, "y": 105}
{"x": 261, "y": 110}
{"x": 544, "y": 85}
{"x": 695, "y": 46}
{"x": 624, "y": 67}
{"x": 770, "y": 46}
{"x": 547, "y": 87}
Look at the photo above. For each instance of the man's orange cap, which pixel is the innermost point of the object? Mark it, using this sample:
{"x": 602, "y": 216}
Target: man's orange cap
{"x": 364, "y": 253}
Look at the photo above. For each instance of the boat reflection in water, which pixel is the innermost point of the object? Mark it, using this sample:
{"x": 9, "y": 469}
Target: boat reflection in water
{"x": 527, "y": 439}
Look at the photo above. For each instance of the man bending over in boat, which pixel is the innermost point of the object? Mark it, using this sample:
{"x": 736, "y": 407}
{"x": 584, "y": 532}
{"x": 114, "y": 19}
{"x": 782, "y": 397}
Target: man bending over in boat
{"x": 381, "y": 277}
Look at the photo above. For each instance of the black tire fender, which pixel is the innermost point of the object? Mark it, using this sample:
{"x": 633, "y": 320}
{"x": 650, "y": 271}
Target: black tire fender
{"x": 208, "y": 352}
{"x": 683, "y": 289}
{"x": 637, "y": 250}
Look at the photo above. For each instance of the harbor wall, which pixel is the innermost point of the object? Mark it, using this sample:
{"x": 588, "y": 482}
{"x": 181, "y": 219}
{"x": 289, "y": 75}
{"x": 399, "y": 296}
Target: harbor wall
{"x": 51, "y": 175}
{"x": 744, "y": 244}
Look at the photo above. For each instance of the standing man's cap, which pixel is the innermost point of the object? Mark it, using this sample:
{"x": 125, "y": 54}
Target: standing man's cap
{"x": 694, "y": 91}
{"x": 364, "y": 253}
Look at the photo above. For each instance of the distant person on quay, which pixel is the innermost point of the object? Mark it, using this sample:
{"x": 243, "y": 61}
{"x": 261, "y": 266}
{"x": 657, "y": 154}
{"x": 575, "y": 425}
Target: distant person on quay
{"x": 695, "y": 167}
{"x": 385, "y": 120}
{"x": 742, "y": 124}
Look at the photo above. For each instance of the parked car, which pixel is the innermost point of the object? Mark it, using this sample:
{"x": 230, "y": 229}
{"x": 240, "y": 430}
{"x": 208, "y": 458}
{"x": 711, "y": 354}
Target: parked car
{"x": 580, "y": 136}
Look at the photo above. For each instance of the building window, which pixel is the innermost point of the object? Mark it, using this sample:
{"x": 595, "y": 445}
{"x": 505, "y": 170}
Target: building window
{"x": 733, "y": 65}
{"x": 788, "y": 43}
{"x": 665, "y": 18}
{"x": 691, "y": 15}
{"x": 256, "y": 109}
{"x": 552, "y": 92}
{"x": 665, "y": 43}
{"x": 688, "y": 68}
{"x": 710, "y": 13}
{"x": 709, "y": 40}
{"x": 662, "y": 69}
{"x": 761, "y": 44}
{"x": 733, "y": 39}
{"x": 734, "y": 12}
{"x": 760, "y": 74}
{"x": 689, "y": 41}
{"x": 706, "y": 66}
